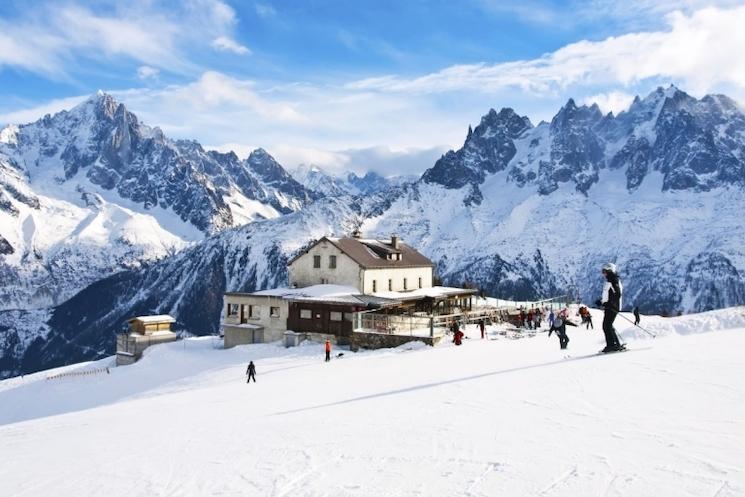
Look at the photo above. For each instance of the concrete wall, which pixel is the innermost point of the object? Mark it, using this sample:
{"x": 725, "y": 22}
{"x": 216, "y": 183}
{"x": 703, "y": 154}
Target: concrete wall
{"x": 130, "y": 346}
{"x": 347, "y": 272}
{"x": 242, "y": 335}
{"x": 397, "y": 276}
{"x": 274, "y": 326}
{"x": 383, "y": 340}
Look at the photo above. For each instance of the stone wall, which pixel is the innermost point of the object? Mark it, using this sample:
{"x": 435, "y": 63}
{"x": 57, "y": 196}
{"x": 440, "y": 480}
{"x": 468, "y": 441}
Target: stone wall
{"x": 384, "y": 340}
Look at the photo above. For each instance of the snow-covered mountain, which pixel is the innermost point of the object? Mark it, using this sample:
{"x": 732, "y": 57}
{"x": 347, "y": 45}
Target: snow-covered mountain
{"x": 520, "y": 211}
{"x": 316, "y": 179}
{"x": 90, "y": 191}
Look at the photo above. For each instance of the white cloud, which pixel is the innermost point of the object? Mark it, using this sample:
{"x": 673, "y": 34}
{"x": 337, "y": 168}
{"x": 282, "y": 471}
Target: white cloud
{"x": 265, "y": 10}
{"x": 698, "y": 51}
{"x": 52, "y": 38}
{"x": 147, "y": 72}
{"x": 394, "y": 124}
{"x": 614, "y": 101}
{"x": 224, "y": 44}
{"x": 31, "y": 114}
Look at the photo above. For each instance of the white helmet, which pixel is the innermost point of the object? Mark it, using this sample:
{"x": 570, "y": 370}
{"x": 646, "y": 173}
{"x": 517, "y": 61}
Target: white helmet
{"x": 610, "y": 267}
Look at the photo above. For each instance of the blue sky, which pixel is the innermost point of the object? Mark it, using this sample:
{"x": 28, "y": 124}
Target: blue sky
{"x": 382, "y": 85}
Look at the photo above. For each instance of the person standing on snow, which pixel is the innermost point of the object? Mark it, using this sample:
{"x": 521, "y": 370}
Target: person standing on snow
{"x": 636, "y": 315}
{"x": 251, "y": 372}
{"x": 328, "y": 350}
{"x": 611, "y": 302}
{"x": 482, "y": 327}
{"x": 458, "y": 337}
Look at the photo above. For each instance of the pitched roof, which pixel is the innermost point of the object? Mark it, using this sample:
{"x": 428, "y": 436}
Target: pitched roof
{"x": 373, "y": 254}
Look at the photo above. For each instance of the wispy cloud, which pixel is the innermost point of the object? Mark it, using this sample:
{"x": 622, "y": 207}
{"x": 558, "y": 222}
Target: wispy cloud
{"x": 699, "y": 51}
{"x": 265, "y": 10}
{"x": 147, "y": 72}
{"x": 225, "y": 44}
{"x": 613, "y": 101}
{"x": 50, "y": 38}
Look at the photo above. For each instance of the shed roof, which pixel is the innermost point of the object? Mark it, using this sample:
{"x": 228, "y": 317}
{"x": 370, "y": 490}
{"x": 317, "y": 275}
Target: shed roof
{"x": 160, "y": 318}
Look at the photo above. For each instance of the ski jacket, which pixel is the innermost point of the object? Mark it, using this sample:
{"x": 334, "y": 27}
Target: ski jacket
{"x": 328, "y": 346}
{"x": 612, "y": 291}
{"x": 251, "y": 369}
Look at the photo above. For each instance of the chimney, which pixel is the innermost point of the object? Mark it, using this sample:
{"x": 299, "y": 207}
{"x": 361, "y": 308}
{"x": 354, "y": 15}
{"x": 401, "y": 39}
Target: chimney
{"x": 394, "y": 241}
{"x": 356, "y": 234}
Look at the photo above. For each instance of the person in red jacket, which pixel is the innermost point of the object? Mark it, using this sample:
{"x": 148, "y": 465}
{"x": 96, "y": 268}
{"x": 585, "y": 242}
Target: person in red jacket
{"x": 328, "y": 350}
{"x": 458, "y": 337}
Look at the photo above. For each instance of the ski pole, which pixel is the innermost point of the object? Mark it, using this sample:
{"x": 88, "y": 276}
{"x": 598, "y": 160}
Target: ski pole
{"x": 645, "y": 331}
{"x": 653, "y": 335}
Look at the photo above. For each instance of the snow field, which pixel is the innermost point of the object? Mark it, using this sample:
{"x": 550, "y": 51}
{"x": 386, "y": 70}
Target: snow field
{"x": 489, "y": 418}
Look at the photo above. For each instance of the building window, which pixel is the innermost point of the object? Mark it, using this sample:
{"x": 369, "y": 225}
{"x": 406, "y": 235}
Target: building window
{"x": 390, "y": 285}
{"x": 232, "y": 310}
{"x": 316, "y": 261}
{"x": 332, "y": 262}
{"x": 405, "y": 284}
{"x": 349, "y": 316}
{"x": 254, "y": 311}
{"x": 274, "y": 312}
{"x": 305, "y": 314}
{"x": 335, "y": 316}
{"x": 420, "y": 282}
{"x": 375, "y": 286}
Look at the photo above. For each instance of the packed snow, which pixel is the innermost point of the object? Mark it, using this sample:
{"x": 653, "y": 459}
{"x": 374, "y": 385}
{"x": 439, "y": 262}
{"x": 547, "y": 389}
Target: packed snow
{"x": 498, "y": 416}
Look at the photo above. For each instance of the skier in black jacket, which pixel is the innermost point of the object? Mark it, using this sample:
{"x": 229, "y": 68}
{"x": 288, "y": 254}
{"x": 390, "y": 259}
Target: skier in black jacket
{"x": 611, "y": 302}
{"x": 251, "y": 372}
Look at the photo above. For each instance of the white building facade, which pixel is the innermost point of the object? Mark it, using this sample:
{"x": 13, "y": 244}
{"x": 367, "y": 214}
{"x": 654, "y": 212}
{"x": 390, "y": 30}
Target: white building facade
{"x": 371, "y": 266}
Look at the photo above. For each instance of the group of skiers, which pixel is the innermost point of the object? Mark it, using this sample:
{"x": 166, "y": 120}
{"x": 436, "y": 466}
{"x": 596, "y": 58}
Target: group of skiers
{"x": 610, "y": 301}
{"x": 532, "y": 319}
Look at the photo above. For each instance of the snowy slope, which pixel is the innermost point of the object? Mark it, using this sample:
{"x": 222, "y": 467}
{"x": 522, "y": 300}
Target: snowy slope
{"x": 492, "y": 417}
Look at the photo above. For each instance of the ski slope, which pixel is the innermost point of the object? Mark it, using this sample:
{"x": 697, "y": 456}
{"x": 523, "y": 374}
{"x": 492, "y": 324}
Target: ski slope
{"x": 497, "y": 417}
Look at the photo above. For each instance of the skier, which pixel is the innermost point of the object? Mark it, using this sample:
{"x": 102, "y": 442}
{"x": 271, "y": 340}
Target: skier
{"x": 551, "y": 318}
{"x": 636, "y": 315}
{"x": 559, "y": 327}
{"x": 328, "y": 350}
{"x": 530, "y": 319}
{"x": 482, "y": 327}
{"x": 457, "y": 337}
{"x": 251, "y": 372}
{"x": 611, "y": 302}
{"x": 588, "y": 317}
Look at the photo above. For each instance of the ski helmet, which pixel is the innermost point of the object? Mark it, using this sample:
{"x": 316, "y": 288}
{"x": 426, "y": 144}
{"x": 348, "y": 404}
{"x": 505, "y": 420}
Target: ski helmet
{"x": 610, "y": 267}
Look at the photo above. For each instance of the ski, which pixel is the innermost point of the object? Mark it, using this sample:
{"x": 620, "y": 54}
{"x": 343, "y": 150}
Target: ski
{"x": 622, "y": 349}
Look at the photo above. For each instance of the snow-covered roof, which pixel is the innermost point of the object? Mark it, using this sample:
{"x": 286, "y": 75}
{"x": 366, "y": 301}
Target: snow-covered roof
{"x": 419, "y": 293}
{"x": 160, "y": 318}
{"x": 308, "y": 291}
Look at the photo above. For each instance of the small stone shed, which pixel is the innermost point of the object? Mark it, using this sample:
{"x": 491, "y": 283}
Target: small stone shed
{"x": 144, "y": 331}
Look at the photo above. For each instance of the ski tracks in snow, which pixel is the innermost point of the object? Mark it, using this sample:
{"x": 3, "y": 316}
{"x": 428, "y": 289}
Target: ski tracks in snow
{"x": 562, "y": 479}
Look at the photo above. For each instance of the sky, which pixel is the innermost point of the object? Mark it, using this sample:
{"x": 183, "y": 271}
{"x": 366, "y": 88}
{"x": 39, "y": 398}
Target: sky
{"x": 378, "y": 85}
